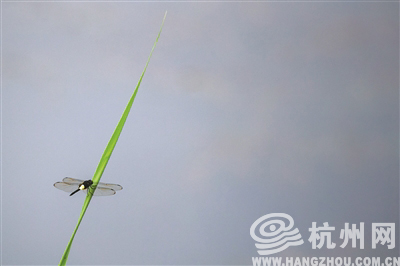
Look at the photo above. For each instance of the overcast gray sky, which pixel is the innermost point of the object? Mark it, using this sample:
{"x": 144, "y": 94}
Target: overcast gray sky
{"x": 246, "y": 109}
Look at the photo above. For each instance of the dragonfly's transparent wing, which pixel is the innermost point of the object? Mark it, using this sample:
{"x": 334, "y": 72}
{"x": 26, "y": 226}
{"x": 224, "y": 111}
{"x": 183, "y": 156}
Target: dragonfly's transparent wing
{"x": 66, "y": 186}
{"x": 114, "y": 187}
{"x": 101, "y": 191}
{"x": 70, "y": 180}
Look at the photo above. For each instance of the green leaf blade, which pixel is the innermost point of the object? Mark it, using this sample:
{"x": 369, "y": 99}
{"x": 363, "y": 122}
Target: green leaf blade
{"x": 108, "y": 151}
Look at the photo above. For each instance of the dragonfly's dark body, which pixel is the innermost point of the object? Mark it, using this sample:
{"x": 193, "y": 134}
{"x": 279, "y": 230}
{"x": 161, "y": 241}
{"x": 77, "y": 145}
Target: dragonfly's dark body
{"x": 73, "y": 185}
{"x": 85, "y": 185}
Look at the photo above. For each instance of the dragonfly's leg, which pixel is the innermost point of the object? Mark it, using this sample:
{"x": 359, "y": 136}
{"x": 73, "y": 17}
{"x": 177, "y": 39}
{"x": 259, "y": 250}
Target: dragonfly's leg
{"x": 90, "y": 190}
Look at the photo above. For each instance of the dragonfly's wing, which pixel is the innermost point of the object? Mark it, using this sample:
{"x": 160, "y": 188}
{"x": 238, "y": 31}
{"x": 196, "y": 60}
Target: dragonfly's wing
{"x": 114, "y": 187}
{"x": 66, "y": 186}
{"x": 101, "y": 191}
{"x": 70, "y": 180}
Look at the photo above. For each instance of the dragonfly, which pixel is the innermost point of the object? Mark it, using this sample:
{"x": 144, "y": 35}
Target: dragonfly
{"x": 74, "y": 185}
